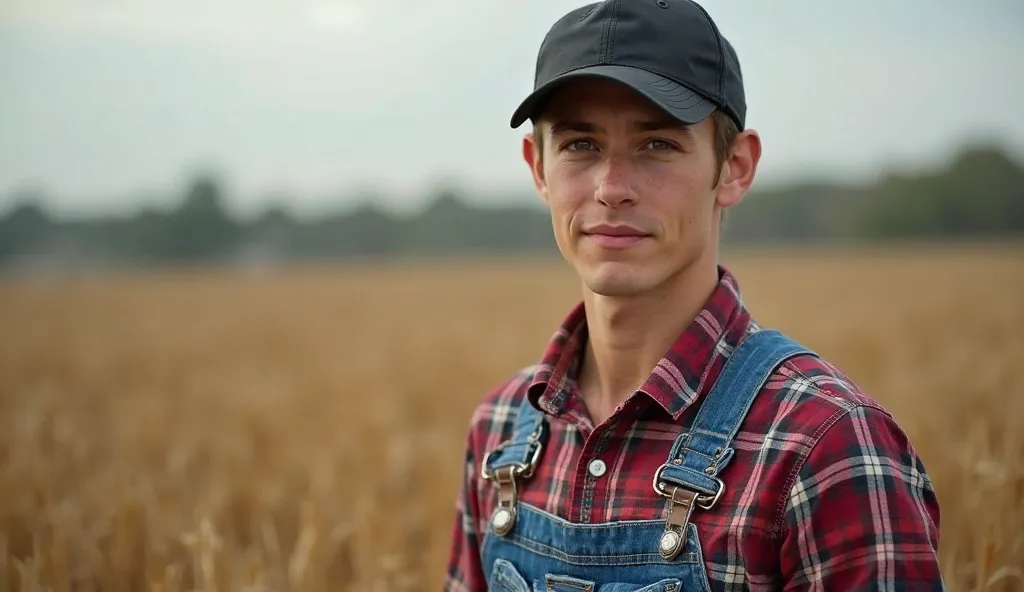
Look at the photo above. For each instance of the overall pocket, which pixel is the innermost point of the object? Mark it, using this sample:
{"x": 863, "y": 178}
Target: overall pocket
{"x": 556, "y": 583}
{"x": 506, "y": 578}
{"x": 688, "y": 574}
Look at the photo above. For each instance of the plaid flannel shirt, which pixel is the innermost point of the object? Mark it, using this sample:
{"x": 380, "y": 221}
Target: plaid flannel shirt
{"x": 825, "y": 491}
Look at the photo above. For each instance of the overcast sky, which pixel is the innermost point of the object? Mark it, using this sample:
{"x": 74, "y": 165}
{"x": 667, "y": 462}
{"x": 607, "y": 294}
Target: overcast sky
{"x": 104, "y": 101}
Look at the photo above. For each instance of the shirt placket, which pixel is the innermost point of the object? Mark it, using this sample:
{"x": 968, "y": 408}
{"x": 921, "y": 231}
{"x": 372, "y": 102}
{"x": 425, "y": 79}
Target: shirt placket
{"x": 591, "y": 474}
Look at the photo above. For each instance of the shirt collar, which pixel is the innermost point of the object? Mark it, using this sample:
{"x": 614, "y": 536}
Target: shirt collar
{"x": 678, "y": 379}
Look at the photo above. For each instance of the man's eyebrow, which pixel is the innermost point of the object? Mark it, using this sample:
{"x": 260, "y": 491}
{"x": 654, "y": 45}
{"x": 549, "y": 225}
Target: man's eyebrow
{"x": 646, "y": 125}
{"x": 569, "y": 125}
{"x": 660, "y": 124}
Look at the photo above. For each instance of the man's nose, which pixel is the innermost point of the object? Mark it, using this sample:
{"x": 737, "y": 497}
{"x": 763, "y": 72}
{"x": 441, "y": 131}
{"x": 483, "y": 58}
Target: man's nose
{"x": 614, "y": 187}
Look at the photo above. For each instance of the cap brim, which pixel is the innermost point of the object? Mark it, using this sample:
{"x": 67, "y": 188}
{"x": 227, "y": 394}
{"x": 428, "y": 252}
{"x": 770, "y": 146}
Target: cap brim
{"x": 676, "y": 99}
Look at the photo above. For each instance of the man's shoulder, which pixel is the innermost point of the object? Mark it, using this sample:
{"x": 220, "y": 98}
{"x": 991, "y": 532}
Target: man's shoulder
{"x": 846, "y": 454}
{"x": 815, "y": 383}
{"x": 810, "y": 398}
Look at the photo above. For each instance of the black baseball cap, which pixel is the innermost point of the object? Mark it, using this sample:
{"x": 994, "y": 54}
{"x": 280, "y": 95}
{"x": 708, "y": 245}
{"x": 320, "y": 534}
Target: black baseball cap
{"x": 670, "y": 51}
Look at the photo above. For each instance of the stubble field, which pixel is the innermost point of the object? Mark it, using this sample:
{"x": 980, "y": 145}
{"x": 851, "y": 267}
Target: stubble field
{"x": 303, "y": 430}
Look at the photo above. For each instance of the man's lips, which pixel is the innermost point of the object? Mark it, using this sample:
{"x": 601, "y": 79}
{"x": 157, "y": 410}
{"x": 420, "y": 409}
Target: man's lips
{"x": 615, "y": 230}
{"x": 615, "y": 236}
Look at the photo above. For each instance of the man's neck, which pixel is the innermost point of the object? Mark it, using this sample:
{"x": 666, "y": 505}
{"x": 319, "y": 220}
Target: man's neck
{"x": 628, "y": 337}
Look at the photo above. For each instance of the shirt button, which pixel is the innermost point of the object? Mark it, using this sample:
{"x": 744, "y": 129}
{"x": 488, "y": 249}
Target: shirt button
{"x": 597, "y": 467}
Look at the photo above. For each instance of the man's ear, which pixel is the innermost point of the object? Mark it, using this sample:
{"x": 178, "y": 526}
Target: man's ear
{"x": 532, "y": 154}
{"x": 739, "y": 168}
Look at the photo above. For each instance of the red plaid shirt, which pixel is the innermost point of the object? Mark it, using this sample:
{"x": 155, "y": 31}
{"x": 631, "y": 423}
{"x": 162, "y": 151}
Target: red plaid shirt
{"x": 825, "y": 491}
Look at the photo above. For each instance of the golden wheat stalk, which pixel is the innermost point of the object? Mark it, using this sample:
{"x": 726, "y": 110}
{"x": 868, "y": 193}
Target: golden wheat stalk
{"x": 223, "y": 432}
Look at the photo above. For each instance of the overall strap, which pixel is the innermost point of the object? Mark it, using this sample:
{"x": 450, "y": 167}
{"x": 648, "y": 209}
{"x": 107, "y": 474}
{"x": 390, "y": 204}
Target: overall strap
{"x": 522, "y": 450}
{"x": 514, "y": 458}
{"x": 690, "y": 475}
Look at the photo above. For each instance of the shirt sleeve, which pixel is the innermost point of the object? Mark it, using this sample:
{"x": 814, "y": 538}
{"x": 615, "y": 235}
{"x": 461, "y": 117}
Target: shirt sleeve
{"x": 464, "y": 573}
{"x": 862, "y": 513}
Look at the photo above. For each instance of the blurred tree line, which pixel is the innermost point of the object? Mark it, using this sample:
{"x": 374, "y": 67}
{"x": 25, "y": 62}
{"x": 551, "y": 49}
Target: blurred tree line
{"x": 980, "y": 194}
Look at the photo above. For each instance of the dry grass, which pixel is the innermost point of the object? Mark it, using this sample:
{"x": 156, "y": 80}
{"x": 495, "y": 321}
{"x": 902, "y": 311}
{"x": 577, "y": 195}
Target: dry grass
{"x": 304, "y": 430}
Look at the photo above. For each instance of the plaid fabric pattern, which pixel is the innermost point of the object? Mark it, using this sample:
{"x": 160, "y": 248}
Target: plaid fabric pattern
{"x": 825, "y": 491}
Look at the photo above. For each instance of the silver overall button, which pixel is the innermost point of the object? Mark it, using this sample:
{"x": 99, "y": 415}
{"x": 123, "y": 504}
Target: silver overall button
{"x": 502, "y": 521}
{"x": 669, "y": 541}
{"x": 597, "y": 467}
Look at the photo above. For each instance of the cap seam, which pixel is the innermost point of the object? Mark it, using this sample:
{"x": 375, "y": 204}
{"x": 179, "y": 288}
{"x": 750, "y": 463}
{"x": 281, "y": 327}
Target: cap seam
{"x": 603, "y": 43}
{"x": 721, "y": 57}
{"x": 614, "y": 27}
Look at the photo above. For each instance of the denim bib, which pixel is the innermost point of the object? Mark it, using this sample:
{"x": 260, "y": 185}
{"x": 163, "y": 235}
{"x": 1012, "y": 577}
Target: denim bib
{"x": 526, "y": 549}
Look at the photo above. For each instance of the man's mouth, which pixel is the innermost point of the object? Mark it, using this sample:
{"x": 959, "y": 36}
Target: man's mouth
{"x": 615, "y": 236}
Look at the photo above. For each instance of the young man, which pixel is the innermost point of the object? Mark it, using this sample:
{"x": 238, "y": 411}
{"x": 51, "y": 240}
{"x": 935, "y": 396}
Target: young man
{"x": 665, "y": 441}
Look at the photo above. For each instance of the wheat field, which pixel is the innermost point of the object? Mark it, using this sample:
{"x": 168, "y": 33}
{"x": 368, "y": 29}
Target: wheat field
{"x": 302, "y": 429}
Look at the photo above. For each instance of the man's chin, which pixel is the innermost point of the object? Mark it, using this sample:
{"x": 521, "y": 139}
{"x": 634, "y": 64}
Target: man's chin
{"x": 616, "y": 279}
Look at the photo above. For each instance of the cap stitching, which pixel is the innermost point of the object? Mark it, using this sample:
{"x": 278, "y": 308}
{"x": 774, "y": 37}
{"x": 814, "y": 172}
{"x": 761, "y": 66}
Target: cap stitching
{"x": 602, "y": 54}
{"x": 615, "y": 26}
{"x": 589, "y": 12}
{"x": 656, "y": 72}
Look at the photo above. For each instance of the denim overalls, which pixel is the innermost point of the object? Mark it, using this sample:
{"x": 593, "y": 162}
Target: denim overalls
{"x": 526, "y": 549}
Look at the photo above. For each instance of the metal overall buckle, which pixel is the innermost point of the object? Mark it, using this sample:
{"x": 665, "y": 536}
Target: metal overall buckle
{"x": 524, "y": 470}
{"x": 504, "y": 478}
{"x": 683, "y": 502}
{"x": 704, "y": 501}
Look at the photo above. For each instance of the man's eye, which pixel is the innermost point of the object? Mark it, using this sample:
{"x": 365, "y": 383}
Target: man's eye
{"x": 660, "y": 145}
{"x": 577, "y": 145}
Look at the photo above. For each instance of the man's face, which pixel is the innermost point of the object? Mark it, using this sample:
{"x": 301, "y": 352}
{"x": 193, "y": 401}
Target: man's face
{"x": 630, "y": 190}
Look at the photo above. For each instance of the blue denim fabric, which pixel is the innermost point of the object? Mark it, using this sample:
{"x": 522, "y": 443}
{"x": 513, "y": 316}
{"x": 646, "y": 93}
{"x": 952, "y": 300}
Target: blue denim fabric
{"x": 541, "y": 551}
